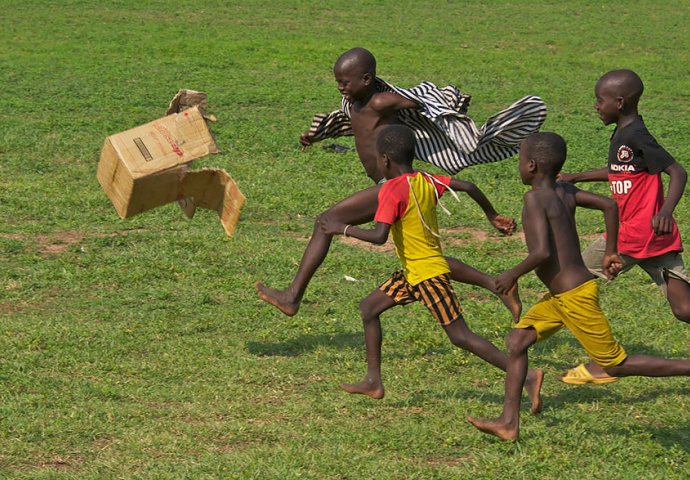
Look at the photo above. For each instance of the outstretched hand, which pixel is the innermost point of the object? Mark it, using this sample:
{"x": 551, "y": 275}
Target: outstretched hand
{"x": 330, "y": 225}
{"x": 612, "y": 265}
{"x": 504, "y": 282}
{"x": 503, "y": 224}
{"x": 565, "y": 177}
{"x": 305, "y": 139}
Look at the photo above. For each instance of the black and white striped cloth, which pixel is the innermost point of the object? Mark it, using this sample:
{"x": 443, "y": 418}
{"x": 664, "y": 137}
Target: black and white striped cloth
{"x": 445, "y": 135}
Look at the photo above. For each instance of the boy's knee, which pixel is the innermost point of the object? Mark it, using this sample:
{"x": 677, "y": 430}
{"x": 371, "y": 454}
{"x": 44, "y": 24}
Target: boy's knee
{"x": 366, "y": 310}
{"x": 459, "y": 333}
{"x": 682, "y": 313}
{"x": 321, "y": 217}
{"x": 678, "y": 294}
{"x": 681, "y": 310}
{"x": 519, "y": 339}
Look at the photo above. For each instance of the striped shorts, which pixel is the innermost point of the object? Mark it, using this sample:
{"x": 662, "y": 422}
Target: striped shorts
{"x": 435, "y": 293}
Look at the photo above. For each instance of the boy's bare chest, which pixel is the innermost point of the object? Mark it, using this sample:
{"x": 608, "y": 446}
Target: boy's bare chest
{"x": 366, "y": 121}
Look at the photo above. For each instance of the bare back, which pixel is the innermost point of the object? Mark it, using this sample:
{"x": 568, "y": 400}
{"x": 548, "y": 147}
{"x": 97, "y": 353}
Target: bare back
{"x": 553, "y": 210}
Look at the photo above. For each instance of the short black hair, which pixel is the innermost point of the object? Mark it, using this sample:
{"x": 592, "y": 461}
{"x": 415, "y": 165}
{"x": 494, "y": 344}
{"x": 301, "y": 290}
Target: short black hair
{"x": 624, "y": 83}
{"x": 397, "y": 143}
{"x": 360, "y": 58}
{"x": 548, "y": 150}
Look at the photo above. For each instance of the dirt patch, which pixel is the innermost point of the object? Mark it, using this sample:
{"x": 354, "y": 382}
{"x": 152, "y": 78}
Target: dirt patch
{"x": 477, "y": 296}
{"x": 12, "y": 236}
{"x": 60, "y": 242}
{"x": 12, "y": 307}
{"x": 68, "y": 462}
{"x": 476, "y": 235}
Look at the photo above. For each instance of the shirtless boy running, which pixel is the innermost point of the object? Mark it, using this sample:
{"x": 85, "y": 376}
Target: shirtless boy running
{"x": 573, "y": 298}
{"x": 371, "y": 110}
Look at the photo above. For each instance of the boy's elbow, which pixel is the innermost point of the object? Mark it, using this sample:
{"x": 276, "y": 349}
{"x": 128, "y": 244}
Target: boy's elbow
{"x": 541, "y": 255}
{"x": 677, "y": 170}
{"x": 380, "y": 240}
{"x": 611, "y": 207}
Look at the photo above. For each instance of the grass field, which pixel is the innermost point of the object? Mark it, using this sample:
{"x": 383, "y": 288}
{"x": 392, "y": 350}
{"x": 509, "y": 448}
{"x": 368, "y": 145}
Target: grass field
{"x": 138, "y": 349}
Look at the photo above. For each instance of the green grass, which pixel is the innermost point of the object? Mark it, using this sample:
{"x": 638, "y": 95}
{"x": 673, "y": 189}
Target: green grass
{"x": 138, "y": 349}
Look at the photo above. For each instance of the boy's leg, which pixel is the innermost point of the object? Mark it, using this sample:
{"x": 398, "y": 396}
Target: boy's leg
{"x": 669, "y": 273}
{"x": 678, "y": 294}
{"x": 507, "y": 425}
{"x": 676, "y": 283}
{"x": 370, "y": 308}
{"x": 461, "y": 336}
{"x": 463, "y": 273}
{"x": 437, "y": 295}
{"x": 356, "y": 209}
{"x": 648, "y": 366}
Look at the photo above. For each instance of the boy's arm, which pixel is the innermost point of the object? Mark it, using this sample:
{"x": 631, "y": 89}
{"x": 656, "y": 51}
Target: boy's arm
{"x": 612, "y": 263}
{"x": 598, "y": 175}
{"x": 502, "y": 223}
{"x": 331, "y": 125}
{"x": 678, "y": 177}
{"x": 388, "y": 102}
{"x": 536, "y": 229}
{"x": 377, "y": 235}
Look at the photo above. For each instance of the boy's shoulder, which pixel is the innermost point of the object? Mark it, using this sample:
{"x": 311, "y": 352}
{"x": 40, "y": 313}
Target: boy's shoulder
{"x": 540, "y": 198}
{"x": 633, "y": 130}
{"x": 380, "y": 101}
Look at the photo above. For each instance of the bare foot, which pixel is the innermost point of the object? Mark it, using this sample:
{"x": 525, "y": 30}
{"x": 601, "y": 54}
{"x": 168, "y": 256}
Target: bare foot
{"x": 372, "y": 389}
{"x": 512, "y": 302}
{"x": 504, "y": 431}
{"x": 277, "y": 298}
{"x": 533, "y": 383}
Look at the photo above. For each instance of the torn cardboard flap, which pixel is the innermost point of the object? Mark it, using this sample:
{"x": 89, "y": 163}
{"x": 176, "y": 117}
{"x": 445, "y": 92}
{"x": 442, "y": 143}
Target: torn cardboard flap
{"x": 215, "y": 190}
{"x": 185, "y": 99}
{"x": 147, "y": 166}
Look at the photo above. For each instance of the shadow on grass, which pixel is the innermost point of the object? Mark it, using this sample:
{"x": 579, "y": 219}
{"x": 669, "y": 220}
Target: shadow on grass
{"x": 670, "y": 437}
{"x": 306, "y": 343}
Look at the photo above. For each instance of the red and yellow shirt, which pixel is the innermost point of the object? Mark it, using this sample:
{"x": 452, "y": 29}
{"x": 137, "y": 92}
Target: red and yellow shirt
{"x": 408, "y": 204}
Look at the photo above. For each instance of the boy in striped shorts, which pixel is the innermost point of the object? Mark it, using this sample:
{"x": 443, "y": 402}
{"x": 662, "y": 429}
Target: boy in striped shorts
{"x": 407, "y": 207}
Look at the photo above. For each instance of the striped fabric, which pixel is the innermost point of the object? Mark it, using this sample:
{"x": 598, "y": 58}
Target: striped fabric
{"x": 434, "y": 293}
{"x": 446, "y": 136}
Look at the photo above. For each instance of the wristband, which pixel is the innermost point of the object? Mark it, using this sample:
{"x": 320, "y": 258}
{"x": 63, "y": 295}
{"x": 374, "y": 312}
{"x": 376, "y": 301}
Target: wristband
{"x": 345, "y": 230}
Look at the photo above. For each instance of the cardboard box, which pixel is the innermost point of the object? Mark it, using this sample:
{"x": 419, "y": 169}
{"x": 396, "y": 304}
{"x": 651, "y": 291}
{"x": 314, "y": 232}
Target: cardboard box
{"x": 146, "y": 167}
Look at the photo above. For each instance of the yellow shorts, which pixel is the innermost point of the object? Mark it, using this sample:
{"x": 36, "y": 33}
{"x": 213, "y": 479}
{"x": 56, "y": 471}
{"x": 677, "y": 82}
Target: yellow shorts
{"x": 579, "y": 311}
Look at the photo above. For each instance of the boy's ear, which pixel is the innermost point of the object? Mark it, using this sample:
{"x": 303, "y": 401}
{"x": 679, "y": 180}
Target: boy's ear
{"x": 620, "y": 103}
{"x": 532, "y": 166}
{"x": 367, "y": 77}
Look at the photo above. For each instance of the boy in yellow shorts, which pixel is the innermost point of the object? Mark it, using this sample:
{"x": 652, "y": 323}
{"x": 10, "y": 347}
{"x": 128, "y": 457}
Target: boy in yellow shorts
{"x": 407, "y": 207}
{"x": 548, "y": 217}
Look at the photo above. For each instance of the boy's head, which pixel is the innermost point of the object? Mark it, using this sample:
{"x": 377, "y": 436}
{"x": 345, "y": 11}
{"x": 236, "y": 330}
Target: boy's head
{"x": 617, "y": 93}
{"x": 395, "y": 148}
{"x": 354, "y": 72}
{"x": 541, "y": 153}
